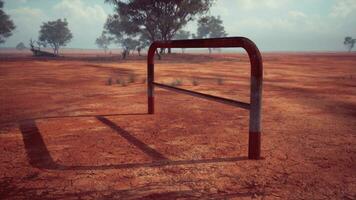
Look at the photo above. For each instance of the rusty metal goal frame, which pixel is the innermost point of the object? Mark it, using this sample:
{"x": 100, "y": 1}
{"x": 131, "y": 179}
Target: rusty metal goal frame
{"x": 255, "y": 105}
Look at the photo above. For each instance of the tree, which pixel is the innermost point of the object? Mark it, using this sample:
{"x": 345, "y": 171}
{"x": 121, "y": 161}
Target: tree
{"x": 37, "y": 50}
{"x": 55, "y": 34}
{"x": 182, "y": 35}
{"x": 139, "y": 50}
{"x": 6, "y": 24}
{"x": 128, "y": 42}
{"x": 20, "y": 46}
{"x": 41, "y": 44}
{"x": 144, "y": 42}
{"x": 349, "y": 43}
{"x": 210, "y": 27}
{"x": 32, "y": 44}
{"x": 159, "y": 20}
{"x": 103, "y": 41}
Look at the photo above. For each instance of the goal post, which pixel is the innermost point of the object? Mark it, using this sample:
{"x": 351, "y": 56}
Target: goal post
{"x": 255, "y": 105}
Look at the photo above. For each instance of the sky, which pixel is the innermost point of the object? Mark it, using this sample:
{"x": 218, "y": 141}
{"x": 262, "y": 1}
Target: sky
{"x": 274, "y": 25}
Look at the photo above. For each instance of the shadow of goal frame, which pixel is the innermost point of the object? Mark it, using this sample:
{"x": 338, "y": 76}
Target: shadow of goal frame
{"x": 255, "y": 105}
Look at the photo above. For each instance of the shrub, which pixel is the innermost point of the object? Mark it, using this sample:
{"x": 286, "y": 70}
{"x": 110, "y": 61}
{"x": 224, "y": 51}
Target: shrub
{"x": 109, "y": 81}
{"x": 195, "y": 82}
{"x": 176, "y": 82}
{"x": 123, "y": 83}
{"x": 143, "y": 81}
{"x": 220, "y": 81}
{"x": 132, "y": 78}
{"x": 118, "y": 81}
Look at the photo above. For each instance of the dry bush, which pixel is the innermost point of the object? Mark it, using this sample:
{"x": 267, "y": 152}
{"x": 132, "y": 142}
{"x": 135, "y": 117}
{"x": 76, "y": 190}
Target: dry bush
{"x": 118, "y": 81}
{"x": 220, "y": 81}
{"x": 143, "y": 81}
{"x": 195, "y": 81}
{"x": 132, "y": 78}
{"x": 176, "y": 82}
{"x": 123, "y": 83}
{"x": 109, "y": 81}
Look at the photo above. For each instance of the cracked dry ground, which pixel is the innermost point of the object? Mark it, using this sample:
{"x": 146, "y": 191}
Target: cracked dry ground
{"x": 66, "y": 134}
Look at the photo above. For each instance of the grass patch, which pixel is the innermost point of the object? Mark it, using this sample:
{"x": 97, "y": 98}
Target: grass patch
{"x": 118, "y": 81}
{"x": 177, "y": 82}
{"x": 123, "y": 83}
{"x": 132, "y": 78}
{"x": 109, "y": 81}
{"x": 220, "y": 81}
{"x": 143, "y": 81}
{"x": 195, "y": 82}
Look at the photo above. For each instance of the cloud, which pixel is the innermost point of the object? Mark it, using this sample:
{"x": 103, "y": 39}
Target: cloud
{"x": 343, "y": 8}
{"x": 19, "y": 1}
{"x": 26, "y": 12}
{"x": 295, "y": 23}
{"x": 27, "y": 21}
{"x": 78, "y": 11}
{"x": 85, "y": 20}
{"x": 273, "y": 24}
{"x": 253, "y": 4}
{"x": 297, "y": 14}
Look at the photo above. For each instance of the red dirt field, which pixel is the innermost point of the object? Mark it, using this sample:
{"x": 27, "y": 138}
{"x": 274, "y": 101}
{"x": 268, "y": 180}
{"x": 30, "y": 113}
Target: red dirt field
{"x": 66, "y": 134}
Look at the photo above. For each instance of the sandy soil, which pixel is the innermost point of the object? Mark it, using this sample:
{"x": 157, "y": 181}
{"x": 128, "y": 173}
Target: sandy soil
{"x": 65, "y": 133}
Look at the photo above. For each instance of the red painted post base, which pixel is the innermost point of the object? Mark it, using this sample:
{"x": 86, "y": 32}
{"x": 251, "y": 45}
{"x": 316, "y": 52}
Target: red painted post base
{"x": 254, "y": 146}
{"x": 151, "y": 108}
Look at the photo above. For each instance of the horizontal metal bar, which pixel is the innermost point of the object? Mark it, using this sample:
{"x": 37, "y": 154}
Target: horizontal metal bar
{"x": 203, "y": 43}
{"x": 205, "y": 96}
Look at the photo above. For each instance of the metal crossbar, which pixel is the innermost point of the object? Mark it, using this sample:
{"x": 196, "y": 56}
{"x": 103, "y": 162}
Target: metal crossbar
{"x": 205, "y": 96}
{"x": 255, "y": 106}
